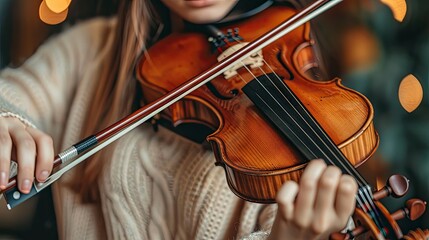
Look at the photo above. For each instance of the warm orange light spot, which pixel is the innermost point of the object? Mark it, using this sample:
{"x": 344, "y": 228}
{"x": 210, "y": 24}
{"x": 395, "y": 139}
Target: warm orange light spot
{"x": 58, "y": 6}
{"x": 410, "y": 93}
{"x": 49, "y": 17}
{"x": 398, "y": 7}
{"x": 359, "y": 49}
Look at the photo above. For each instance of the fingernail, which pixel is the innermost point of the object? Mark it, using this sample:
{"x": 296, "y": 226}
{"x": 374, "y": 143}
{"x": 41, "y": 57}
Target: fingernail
{"x": 26, "y": 185}
{"x": 43, "y": 175}
{"x": 3, "y": 180}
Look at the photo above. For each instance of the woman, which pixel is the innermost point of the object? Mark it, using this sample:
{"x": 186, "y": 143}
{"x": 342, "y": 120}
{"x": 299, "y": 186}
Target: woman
{"x": 148, "y": 185}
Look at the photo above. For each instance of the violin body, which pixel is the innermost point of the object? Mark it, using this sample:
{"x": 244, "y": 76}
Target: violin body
{"x": 257, "y": 160}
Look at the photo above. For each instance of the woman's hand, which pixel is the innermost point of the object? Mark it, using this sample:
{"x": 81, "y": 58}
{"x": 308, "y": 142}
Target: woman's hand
{"x": 321, "y": 204}
{"x": 32, "y": 149}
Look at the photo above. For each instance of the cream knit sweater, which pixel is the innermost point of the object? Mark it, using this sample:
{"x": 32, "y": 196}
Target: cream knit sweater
{"x": 155, "y": 186}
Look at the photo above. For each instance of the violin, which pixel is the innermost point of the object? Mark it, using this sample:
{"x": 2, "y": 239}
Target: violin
{"x": 266, "y": 116}
{"x": 261, "y": 112}
{"x": 241, "y": 138}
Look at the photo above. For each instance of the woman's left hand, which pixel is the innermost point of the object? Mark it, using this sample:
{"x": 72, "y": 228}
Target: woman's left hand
{"x": 319, "y": 205}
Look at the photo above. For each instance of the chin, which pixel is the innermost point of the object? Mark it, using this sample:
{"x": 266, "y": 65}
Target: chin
{"x": 202, "y": 17}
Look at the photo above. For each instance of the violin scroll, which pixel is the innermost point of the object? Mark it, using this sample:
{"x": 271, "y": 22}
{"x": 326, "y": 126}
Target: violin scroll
{"x": 396, "y": 186}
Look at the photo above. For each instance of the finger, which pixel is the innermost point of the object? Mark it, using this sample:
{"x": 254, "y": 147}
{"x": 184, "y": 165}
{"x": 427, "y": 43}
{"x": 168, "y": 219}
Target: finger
{"x": 26, "y": 154}
{"x": 324, "y": 208}
{"x": 45, "y": 154}
{"x": 286, "y": 198}
{"x": 346, "y": 197}
{"x": 5, "y": 156}
{"x": 307, "y": 192}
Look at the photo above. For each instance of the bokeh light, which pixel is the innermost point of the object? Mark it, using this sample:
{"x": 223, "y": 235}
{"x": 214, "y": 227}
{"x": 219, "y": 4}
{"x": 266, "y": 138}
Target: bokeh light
{"x": 50, "y": 17}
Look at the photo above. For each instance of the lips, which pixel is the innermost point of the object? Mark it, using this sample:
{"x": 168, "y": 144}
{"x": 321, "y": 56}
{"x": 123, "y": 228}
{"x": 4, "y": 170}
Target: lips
{"x": 199, "y": 3}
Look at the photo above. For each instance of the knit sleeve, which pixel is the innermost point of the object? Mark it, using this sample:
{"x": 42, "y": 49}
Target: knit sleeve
{"x": 256, "y": 221}
{"x": 265, "y": 221}
{"x": 260, "y": 235}
{"x": 42, "y": 89}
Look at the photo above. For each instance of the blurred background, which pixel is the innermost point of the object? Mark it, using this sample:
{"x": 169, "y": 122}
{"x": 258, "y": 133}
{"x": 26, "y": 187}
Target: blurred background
{"x": 360, "y": 42}
{"x": 365, "y": 46}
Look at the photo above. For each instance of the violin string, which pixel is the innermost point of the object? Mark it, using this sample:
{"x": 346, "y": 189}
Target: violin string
{"x": 361, "y": 183}
{"x": 360, "y": 180}
{"x": 364, "y": 194}
{"x": 331, "y": 147}
{"x": 361, "y": 199}
{"x": 350, "y": 169}
{"x": 241, "y": 77}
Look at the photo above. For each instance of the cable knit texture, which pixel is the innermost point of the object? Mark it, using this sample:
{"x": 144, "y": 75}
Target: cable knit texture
{"x": 153, "y": 185}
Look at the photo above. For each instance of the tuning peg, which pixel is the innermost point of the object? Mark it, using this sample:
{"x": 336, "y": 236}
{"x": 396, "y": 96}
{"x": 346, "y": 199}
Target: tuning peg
{"x": 396, "y": 186}
{"x": 414, "y": 208}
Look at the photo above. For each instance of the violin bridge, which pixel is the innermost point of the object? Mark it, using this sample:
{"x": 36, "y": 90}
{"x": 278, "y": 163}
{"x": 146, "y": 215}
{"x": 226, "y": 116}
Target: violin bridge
{"x": 256, "y": 60}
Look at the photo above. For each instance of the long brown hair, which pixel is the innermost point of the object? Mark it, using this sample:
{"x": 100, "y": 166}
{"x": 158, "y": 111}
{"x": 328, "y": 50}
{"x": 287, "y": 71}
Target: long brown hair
{"x": 116, "y": 85}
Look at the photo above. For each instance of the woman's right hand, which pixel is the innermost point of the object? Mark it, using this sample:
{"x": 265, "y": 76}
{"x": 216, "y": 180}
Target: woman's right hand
{"x": 32, "y": 149}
